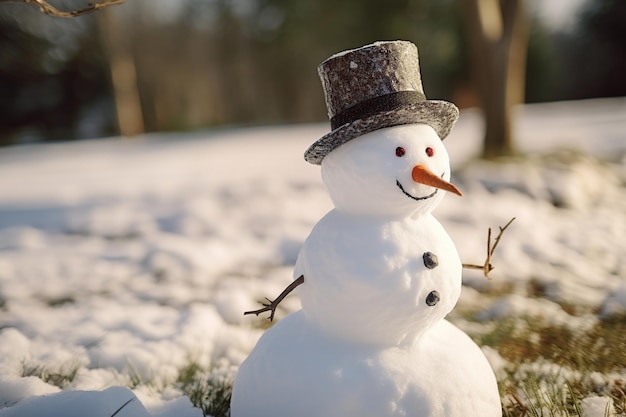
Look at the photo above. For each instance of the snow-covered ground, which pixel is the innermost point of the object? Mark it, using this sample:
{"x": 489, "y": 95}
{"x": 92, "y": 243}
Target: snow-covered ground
{"x": 124, "y": 261}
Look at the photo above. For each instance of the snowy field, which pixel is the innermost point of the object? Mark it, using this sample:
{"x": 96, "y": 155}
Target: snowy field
{"x": 129, "y": 263}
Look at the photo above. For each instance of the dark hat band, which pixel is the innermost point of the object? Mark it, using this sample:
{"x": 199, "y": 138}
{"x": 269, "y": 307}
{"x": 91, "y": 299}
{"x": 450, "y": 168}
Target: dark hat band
{"x": 374, "y": 106}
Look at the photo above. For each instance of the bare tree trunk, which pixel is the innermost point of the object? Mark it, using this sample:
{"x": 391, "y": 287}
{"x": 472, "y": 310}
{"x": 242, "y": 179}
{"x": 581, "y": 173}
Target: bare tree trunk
{"x": 498, "y": 37}
{"x": 123, "y": 74}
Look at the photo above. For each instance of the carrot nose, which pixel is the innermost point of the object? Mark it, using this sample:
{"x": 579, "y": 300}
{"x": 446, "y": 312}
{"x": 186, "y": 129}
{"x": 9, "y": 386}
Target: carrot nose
{"x": 425, "y": 176}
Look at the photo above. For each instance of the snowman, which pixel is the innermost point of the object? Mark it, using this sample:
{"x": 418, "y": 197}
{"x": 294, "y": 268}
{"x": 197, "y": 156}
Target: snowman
{"x": 378, "y": 274}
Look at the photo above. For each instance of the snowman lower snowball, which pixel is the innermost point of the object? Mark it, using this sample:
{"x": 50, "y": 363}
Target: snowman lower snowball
{"x": 379, "y": 271}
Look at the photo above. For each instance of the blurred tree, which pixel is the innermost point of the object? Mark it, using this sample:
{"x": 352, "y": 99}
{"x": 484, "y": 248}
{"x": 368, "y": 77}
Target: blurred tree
{"x": 310, "y": 31}
{"x": 114, "y": 33}
{"x": 598, "y": 51}
{"x": 52, "y": 78}
{"x": 123, "y": 77}
{"x": 201, "y": 63}
{"x": 498, "y": 35}
{"x": 544, "y": 67}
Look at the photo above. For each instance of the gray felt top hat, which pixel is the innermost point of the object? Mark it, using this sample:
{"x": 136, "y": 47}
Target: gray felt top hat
{"x": 374, "y": 87}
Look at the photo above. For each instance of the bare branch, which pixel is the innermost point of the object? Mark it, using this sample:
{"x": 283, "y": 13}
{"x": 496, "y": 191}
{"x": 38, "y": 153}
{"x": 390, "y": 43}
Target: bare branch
{"x": 502, "y": 229}
{"x": 271, "y": 305}
{"x": 487, "y": 267}
{"x": 47, "y": 8}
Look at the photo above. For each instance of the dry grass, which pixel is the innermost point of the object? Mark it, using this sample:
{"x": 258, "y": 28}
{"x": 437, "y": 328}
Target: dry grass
{"x": 553, "y": 368}
{"x": 60, "y": 378}
{"x": 208, "y": 389}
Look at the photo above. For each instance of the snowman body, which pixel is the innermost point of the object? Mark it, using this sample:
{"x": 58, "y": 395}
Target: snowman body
{"x": 372, "y": 279}
{"x": 380, "y": 274}
{"x": 313, "y": 374}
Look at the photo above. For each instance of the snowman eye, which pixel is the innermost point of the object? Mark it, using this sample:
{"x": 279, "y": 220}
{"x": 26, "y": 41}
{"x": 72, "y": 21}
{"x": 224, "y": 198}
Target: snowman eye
{"x": 400, "y": 151}
{"x": 430, "y": 151}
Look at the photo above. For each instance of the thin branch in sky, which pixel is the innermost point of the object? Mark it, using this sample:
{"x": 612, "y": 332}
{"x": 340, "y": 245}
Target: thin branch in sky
{"x": 47, "y": 8}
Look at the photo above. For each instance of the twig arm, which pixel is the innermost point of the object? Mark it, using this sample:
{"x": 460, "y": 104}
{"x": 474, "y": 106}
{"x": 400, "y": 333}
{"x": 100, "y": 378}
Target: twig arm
{"x": 272, "y": 305}
{"x": 487, "y": 267}
{"x": 502, "y": 229}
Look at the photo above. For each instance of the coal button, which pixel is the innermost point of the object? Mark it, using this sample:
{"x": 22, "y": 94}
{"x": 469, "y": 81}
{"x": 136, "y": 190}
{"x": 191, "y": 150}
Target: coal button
{"x": 430, "y": 260}
{"x": 432, "y": 298}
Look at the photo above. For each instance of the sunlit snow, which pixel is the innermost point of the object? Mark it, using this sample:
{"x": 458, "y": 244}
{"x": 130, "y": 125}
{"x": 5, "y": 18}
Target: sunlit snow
{"x": 123, "y": 260}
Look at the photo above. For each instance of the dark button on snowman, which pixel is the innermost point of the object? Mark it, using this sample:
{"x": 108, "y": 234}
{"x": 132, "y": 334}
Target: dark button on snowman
{"x": 378, "y": 272}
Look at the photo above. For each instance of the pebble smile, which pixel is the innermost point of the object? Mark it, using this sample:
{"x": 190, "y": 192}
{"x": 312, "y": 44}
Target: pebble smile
{"x": 426, "y": 197}
{"x": 413, "y": 197}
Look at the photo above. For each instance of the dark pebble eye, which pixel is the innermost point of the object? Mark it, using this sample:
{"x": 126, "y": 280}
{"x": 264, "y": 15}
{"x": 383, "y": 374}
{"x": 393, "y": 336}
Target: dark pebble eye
{"x": 430, "y": 151}
{"x": 400, "y": 151}
{"x": 432, "y": 298}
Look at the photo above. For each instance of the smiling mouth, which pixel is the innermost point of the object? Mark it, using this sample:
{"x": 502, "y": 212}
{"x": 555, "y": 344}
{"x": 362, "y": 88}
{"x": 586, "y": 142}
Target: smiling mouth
{"x": 412, "y": 196}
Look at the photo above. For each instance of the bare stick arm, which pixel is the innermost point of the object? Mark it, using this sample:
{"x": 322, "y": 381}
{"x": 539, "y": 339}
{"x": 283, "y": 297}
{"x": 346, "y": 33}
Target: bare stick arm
{"x": 487, "y": 267}
{"x": 271, "y": 305}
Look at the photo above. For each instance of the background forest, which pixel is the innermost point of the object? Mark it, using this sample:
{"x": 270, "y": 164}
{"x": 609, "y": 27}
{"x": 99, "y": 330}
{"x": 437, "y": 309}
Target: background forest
{"x": 193, "y": 64}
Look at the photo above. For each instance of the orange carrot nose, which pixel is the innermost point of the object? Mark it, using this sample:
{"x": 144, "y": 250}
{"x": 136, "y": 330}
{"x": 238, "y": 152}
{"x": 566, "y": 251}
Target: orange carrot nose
{"x": 423, "y": 175}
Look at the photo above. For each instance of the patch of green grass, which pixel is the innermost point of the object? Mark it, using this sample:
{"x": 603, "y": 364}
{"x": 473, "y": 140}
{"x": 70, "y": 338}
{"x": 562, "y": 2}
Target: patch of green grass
{"x": 208, "y": 389}
{"x": 536, "y": 399}
{"x": 553, "y": 368}
{"x": 61, "y": 378}
{"x": 135, "y": 377}
{"x": 602, "y": 348}
{"x": 60, "y": 301}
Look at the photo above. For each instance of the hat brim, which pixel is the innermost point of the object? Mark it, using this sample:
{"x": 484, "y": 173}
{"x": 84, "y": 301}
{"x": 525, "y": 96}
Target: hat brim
{"x": 440, "y": 115}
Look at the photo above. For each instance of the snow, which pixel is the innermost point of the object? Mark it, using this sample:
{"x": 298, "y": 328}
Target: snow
{"x": 117, "y": 401}
{"x": 123, "y": 258}
{"x": 362, "y": 379}
{"x": 597, "y": 407}
{"x": 615, "y": 303}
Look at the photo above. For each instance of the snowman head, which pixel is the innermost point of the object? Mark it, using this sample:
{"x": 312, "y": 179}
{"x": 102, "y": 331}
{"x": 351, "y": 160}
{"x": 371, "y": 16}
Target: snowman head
{"x": 392, "y": 172}
{"x": 375, "y": 87}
